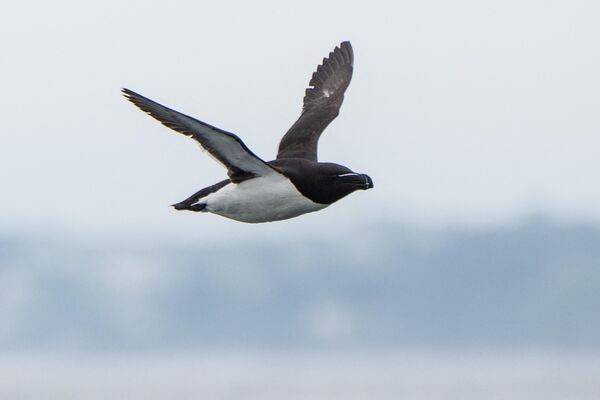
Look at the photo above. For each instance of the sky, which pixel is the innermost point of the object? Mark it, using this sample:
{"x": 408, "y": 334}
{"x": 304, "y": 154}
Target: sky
{"x": 464, "y": 112}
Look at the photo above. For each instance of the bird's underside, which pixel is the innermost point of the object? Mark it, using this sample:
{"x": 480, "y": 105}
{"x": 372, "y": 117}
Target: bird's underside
{"x": 293, "y": 184}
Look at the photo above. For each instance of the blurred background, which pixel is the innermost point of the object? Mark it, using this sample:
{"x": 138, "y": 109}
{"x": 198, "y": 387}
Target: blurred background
{"x": 472, "y": 270}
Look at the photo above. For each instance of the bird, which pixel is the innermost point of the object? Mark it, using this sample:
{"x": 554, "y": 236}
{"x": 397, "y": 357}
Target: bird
{"x": 293, "y": 184}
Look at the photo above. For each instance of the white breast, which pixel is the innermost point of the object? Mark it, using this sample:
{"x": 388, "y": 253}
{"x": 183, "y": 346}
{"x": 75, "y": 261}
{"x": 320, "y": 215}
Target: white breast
{"x": 261, "y": 199}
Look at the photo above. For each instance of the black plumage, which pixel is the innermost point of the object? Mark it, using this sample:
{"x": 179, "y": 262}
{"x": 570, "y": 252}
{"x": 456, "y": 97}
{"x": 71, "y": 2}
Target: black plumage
{"x": 297, "y": 161}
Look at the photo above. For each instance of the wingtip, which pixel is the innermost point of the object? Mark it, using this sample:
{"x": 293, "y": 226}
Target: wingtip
{"x": 346, "y": 47}
{"x": 133, "y": 97}
{"x": 127, "y": 93}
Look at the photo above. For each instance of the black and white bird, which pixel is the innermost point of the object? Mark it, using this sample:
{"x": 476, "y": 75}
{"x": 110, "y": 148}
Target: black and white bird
{"x": 293, "y": 184}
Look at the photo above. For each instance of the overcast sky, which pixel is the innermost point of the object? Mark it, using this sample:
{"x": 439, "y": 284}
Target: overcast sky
{"x": 462, "y": 112}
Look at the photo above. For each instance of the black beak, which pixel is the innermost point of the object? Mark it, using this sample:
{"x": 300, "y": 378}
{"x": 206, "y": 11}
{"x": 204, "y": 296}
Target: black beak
{"x": 368, "y": 182}
{"x": 360, "y": 181}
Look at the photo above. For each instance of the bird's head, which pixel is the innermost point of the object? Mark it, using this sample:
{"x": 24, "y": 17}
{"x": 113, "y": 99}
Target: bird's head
{"x": 323, "y": 183}
{"x": 344, "y": 181}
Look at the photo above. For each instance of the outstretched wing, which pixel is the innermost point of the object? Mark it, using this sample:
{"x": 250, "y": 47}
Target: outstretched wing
{"x": 225, "y": 147}
{"x": 322, "y": 103}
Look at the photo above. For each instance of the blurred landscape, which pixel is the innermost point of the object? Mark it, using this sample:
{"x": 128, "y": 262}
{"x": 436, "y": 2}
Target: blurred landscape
{"x": 382, "y": 310}
{"x": 386, "y": 285}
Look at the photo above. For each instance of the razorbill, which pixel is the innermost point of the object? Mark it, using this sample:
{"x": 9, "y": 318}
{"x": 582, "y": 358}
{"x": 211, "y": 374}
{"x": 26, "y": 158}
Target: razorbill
{"x": 294, "y": 183}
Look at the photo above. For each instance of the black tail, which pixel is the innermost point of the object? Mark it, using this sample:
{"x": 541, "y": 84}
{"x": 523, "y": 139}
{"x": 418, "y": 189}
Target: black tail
{"x": 189, "y": 207}
{"x": 191, "y": 203}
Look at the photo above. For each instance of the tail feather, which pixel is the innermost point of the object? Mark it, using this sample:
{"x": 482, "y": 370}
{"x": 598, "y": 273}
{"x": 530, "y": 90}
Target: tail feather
{"x": 191, "y": 203}
{"x": 198, "y": 207}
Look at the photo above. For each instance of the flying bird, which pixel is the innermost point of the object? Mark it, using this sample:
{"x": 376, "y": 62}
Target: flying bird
{"x": 293, "y": 184}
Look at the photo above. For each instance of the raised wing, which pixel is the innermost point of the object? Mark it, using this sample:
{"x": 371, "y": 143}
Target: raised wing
{"x": 225, "y": 147}
{"x": 322, "y": 103}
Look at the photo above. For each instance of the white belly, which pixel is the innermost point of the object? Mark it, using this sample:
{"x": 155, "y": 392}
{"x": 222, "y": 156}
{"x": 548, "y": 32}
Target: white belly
{"x": 262, "y": 199}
